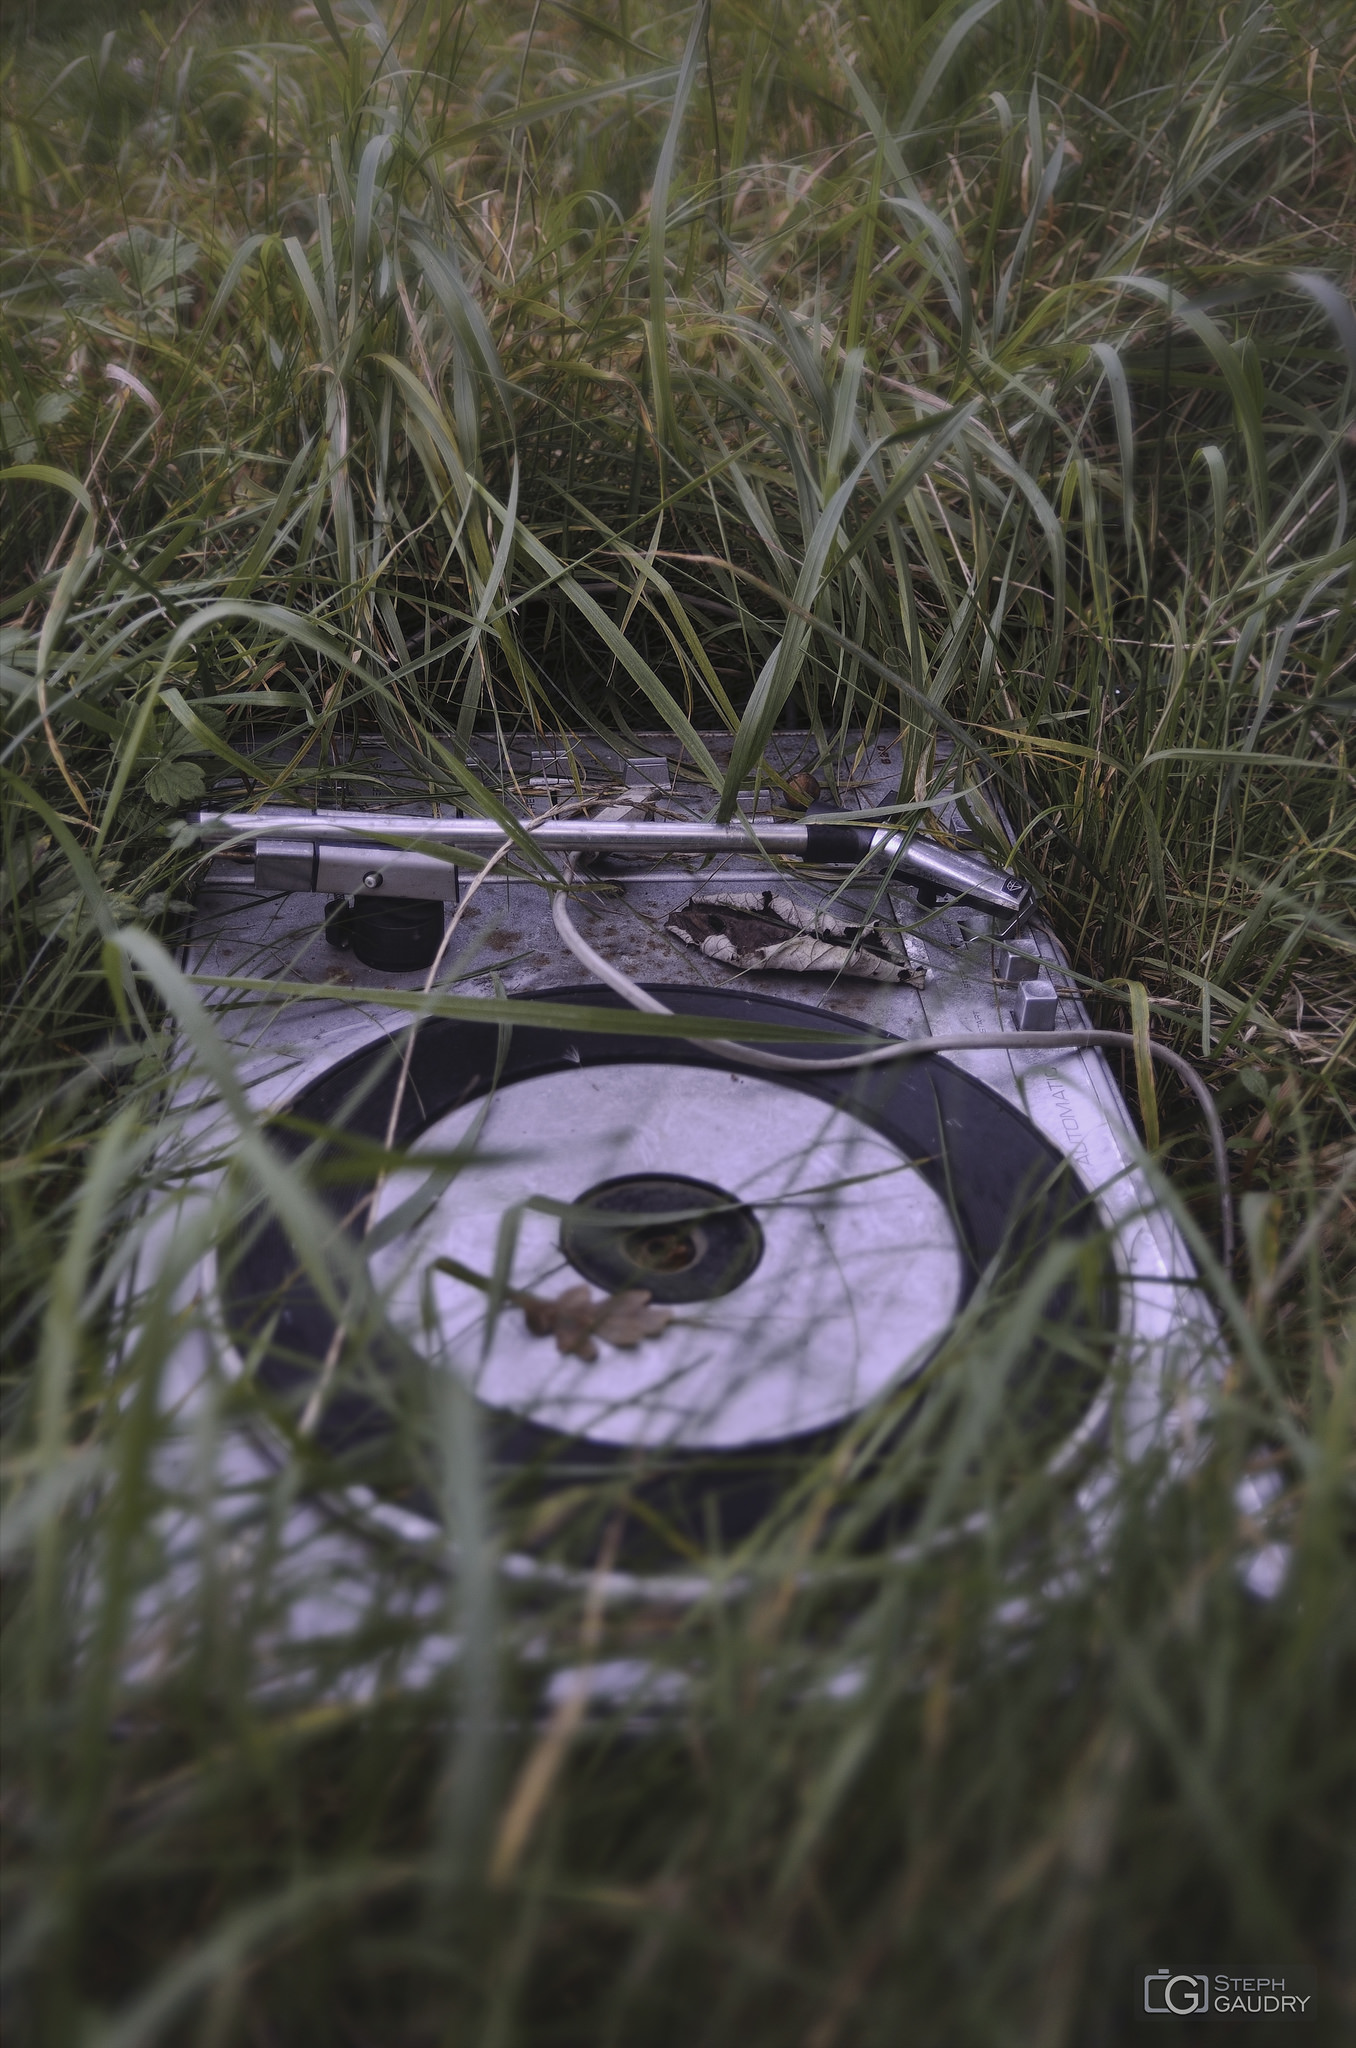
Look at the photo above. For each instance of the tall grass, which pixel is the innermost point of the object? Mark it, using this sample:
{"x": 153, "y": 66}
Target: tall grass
{"x": 409, "y": 370}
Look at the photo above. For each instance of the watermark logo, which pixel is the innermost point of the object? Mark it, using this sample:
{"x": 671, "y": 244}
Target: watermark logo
{"x": 1198, "y": 1994}
{"x": 1176, "y": 1994}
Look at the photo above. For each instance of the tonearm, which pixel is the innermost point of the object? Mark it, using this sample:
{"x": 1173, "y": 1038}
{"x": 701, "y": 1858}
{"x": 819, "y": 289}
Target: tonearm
{"x": 345, "y": 853}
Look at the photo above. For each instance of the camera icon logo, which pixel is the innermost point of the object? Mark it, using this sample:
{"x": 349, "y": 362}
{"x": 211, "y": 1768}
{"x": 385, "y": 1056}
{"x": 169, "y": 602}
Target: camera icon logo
{"x": 1177, "y": 1994}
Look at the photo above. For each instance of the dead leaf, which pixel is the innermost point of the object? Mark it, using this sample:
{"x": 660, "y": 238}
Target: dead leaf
{"x": 628, "y": 1318}
{"x": 574, "y": 1319}
{"x": 764, "y": 932}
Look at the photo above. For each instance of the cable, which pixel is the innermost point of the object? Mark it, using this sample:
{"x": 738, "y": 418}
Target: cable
{"x": 911, "y": 1048}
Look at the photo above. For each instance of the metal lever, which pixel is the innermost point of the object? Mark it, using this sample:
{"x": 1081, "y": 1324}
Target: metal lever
{"x": 340, "y": 853}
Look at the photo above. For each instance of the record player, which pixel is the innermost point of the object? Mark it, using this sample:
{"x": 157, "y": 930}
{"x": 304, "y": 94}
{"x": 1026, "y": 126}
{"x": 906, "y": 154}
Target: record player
{"x": 648, "y": 1261}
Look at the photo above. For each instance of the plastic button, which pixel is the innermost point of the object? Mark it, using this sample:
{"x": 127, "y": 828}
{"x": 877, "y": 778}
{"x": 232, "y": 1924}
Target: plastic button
{"x": 1036, "y": 1006}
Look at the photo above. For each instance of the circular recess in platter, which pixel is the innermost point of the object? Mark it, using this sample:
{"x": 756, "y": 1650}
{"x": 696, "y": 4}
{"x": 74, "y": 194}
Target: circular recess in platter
{"x": 680, "y": 1239}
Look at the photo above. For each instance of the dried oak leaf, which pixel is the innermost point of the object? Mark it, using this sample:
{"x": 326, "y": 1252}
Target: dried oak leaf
{"x": 629, "y": 1317}
{"x": 574, "y": 1319}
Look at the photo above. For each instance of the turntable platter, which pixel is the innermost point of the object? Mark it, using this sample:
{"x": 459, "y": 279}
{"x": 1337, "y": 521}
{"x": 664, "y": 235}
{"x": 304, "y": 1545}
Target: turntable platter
{"x": 878, "y": 1198}
{"x": 856, "y": 1278}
